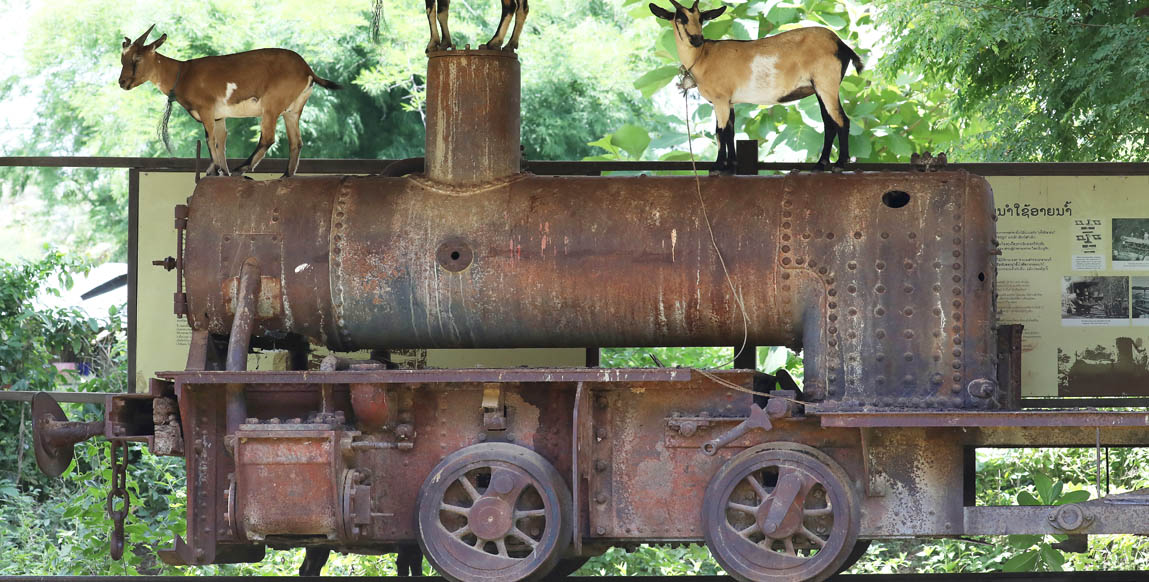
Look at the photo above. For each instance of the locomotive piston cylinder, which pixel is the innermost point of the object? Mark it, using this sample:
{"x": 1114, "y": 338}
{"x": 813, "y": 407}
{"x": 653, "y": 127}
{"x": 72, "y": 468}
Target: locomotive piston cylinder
{"x": 884, "y": 279}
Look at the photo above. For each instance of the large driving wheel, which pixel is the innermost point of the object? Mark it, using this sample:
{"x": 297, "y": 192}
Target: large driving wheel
{"x": 780, "y": 512}
{"x": 494, "y": 511}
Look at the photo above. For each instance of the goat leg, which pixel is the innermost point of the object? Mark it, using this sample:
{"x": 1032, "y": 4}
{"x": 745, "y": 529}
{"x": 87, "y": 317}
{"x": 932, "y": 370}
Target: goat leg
{"x": 509, "y": 7}
{"x": 843, "y": 139}
{"x": 520, "y": 19}
{"x": 434, "y": 43}
{"x": 444, "y": 13}
{"x": 829, "y": 130}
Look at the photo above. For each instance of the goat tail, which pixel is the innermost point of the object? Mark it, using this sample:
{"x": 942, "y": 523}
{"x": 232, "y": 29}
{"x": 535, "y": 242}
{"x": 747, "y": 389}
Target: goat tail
{"x": 326, "y": 84}
{"x": 847, "y": 55}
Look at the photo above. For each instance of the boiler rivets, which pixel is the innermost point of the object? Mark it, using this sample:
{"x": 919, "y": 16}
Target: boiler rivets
{"x": 908, "y": 334}
{"x": 857, "y": 234}
{"x": 885, "y": 235}
{"x": 879, "y": 311}
{"x": 851, "y": 265}
{"x": 880, "y": 265}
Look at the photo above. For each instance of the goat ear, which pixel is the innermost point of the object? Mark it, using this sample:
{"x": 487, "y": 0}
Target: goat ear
{"x": 661, "y": 12}
{"x": 159, "y": 41}
{"x": 712, "y": 14}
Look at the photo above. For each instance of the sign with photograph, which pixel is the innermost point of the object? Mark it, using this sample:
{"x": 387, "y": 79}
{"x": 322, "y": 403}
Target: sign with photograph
{"x": 1074, "y": 270}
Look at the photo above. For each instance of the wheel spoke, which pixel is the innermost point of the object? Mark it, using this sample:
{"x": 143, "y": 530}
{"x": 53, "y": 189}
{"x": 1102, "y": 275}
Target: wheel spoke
{"x": 466, "y": 483}
{"x": 789, "y": 543}
{"x": 457, "y": 510}
{"x": 758, "y": 488}
{"x": 748, "y": 531}
{"x": 479, "y": 543}
{"x": 818, "y": 511}
{"x": 748, "y": 509}
{"x": 462, "y": 532}
{"x": 525, "y": 513}
{"x": 501, "y": 544}
{"x": 813, "y": 537}
{"x": 518, "y": 533}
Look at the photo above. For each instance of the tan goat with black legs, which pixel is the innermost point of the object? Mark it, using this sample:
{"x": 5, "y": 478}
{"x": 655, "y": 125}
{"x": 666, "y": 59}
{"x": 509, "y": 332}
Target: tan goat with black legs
{"x": 438, "y": 10}
{"x": 264, "y": 83}
{"x": 776, "y": 69}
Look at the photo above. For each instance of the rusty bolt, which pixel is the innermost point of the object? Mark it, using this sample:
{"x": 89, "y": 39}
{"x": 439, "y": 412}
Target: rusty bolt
{"x": 982, "y": 388}
{"x": 600, "y": 498}
{"x": 600, "y": 402}
{"x": 600, "y": 433}
{"x": 600, "y": 530}
{"x": 274, "y": 421}
{"x": 600, "y": 466}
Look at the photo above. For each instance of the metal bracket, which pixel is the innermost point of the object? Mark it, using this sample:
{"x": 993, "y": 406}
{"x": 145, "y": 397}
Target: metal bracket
{"x": 758, "y": 419}
{"x": 494, "y": 408}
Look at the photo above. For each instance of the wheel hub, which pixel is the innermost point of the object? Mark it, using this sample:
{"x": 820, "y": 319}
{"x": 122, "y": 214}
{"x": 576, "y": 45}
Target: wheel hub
{"x": 491, "y": 518}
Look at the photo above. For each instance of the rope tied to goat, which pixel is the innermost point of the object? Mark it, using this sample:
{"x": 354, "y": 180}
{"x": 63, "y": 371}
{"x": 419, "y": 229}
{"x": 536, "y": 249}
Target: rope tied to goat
{"x": 168, "y": 112}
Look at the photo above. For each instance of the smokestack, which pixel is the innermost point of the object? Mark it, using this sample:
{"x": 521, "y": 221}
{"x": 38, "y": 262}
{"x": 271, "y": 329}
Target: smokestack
{"x": 473, "y": 102}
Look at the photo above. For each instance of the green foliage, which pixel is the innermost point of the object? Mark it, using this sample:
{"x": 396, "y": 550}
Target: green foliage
{"x": 1056, "y": 77}
{"x": 31, "y": 336}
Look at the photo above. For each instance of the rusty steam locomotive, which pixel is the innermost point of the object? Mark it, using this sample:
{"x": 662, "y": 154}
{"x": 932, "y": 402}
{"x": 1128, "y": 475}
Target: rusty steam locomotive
{"x": 885, "y": 281}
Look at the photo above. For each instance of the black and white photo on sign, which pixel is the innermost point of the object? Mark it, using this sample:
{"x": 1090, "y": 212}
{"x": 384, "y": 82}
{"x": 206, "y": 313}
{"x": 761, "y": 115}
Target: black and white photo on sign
{"x": 1087, "y": 301}
{"x": 1131, "y": 243}
{"x": 1122, "y": 360}
{"x": 1140, "y": 300}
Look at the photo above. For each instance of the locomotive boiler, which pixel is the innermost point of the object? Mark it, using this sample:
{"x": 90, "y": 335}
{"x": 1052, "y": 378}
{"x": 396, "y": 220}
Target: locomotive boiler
{"x": 884, "y": 281}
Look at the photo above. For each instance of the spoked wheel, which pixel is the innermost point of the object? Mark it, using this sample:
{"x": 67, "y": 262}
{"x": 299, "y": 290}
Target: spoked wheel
{"x": 494, "y": 511}
{"x": 780, "y": 512}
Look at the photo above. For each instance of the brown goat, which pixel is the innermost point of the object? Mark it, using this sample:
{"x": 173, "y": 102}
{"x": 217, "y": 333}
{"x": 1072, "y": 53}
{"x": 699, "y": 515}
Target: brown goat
{"x": 438, "y": 9}
{"x": 781, "y": 68}
{"x": 264, "y": 83}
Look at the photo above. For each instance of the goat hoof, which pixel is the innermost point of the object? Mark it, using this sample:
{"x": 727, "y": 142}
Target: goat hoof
{"x": 510, "y": 48}
{"x": 819, "y": 167}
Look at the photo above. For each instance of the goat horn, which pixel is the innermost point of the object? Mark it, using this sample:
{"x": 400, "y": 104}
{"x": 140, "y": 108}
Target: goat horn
{"x": 140, "y": 41}
{"x": 677, "y": 5}
{"x": 695, "y": 7}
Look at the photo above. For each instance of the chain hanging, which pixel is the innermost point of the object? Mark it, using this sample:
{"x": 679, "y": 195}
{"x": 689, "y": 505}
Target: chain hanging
{"x": 118, "y": 455}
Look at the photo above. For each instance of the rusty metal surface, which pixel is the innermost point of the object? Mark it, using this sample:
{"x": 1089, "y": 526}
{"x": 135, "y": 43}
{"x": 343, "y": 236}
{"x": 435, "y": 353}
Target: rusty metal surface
{"x": 1118, "y": 514}
{"x": 287, "y": 484}
{"x": 456, "y": 375}
{"x": 892, "y": 311}
{"x": 472, "y": 116}
{"x": 1062, "y": 418}
{"x": 912, "y": 481}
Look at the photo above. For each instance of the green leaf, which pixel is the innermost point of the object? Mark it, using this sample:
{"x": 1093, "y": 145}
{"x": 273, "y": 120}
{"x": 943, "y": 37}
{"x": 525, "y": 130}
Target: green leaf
{"x": 1023, "y": 542}
{"x": 1052, "y": 557}
{"x": 1027, "y": 498}
{"x": 632, "y": 139}
{"x": 1023, "y": 562}
{"x": 654, "y": 80}
{"x": 900, "y": 146}
{"x": 1073, "y": 497}
{"x": 1044, "y": 486}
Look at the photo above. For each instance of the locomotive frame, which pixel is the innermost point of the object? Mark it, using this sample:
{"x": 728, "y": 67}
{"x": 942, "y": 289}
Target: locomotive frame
{"x": 512, "y": 473}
